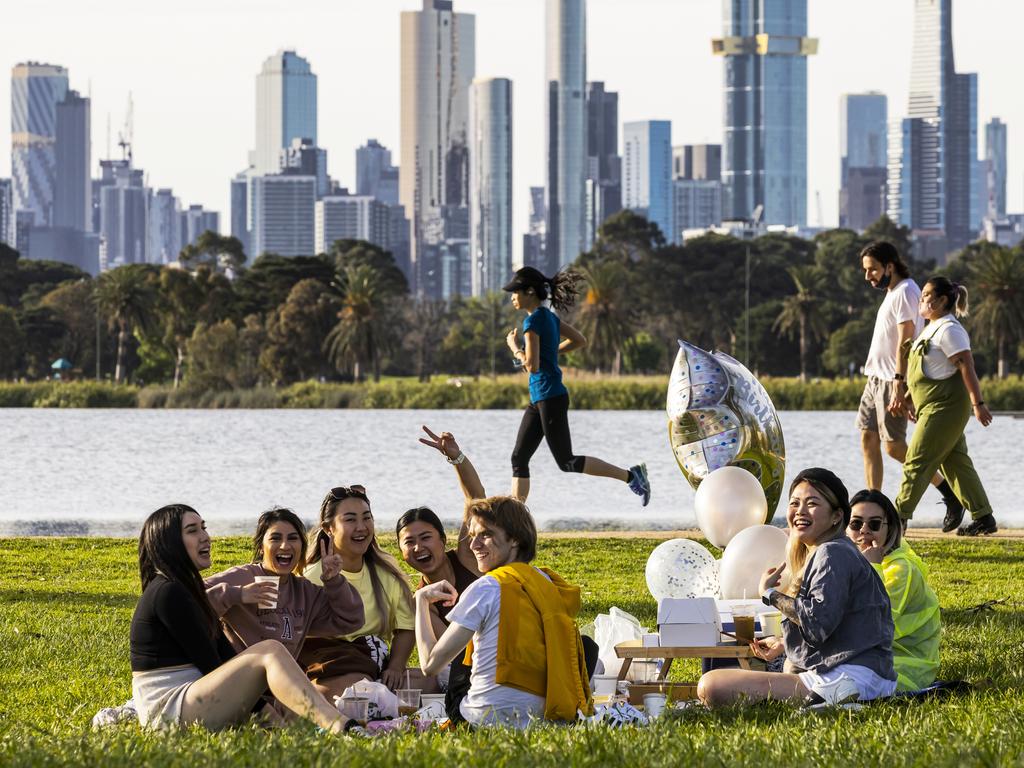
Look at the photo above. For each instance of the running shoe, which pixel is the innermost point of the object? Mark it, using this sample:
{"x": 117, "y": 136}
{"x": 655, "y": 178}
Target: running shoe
{"x": 841, "y": 692}
{"x": 954, "y": 514}
{"x": 983, "y": 526}
{"x": 638, "y": 482}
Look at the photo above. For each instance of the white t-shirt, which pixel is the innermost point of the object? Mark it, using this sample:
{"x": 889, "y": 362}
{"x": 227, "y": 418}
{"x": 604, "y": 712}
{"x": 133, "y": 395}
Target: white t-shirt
{"x": 899, "y": 305}
{"x": 948, "y": 338}
{"x": 488, "y": 703}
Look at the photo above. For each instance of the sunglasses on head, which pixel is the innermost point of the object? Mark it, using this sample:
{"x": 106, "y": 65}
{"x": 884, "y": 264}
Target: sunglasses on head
{"x": 347, "y": 491}
{"x": 874, "y": 524}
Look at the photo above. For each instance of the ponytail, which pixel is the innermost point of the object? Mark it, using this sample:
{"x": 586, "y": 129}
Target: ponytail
{"x": 955, "y": 294}
{"x": 563, "y": 289}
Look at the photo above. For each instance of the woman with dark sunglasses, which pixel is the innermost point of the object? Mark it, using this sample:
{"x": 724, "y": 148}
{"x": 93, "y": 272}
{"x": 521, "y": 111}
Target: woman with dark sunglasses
{"x": 380, "y": 648}
{"x": 876, "y": 530}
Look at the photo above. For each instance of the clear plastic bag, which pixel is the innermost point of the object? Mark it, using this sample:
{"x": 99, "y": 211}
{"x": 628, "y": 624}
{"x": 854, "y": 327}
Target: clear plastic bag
{"x": 613, "y": 628}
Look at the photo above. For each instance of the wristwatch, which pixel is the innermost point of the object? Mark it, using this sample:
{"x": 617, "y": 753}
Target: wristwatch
{"x": 766, "y": 596}
{"x": 457, "y": 460}
{"x": 899, "y": 377}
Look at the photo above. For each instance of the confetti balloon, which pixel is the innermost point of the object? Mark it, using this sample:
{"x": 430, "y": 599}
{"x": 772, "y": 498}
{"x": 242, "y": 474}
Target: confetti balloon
{"x": 681, "y": 568}
{"x": 719, "y": 415}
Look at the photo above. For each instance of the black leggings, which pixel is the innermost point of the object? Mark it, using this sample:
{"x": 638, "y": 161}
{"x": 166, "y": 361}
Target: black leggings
{"x": 545, "y": 419}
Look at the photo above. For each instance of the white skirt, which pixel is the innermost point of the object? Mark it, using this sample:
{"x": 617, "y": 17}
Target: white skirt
{"x": 159, "y": 693}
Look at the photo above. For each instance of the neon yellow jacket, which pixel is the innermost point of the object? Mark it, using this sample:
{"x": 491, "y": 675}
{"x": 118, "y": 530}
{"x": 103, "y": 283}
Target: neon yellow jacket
{"x": 915, "y": 612}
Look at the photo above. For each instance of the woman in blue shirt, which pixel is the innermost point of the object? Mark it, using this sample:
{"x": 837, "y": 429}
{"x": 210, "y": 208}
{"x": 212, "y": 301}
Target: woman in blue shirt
{"x": 547, "y": 415}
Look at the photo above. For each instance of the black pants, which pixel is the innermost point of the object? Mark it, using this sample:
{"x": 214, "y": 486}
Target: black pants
{"x": 545, "y": 419}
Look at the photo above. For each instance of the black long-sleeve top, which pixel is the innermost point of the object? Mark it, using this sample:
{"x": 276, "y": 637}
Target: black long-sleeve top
{"x": 170, "y": 629}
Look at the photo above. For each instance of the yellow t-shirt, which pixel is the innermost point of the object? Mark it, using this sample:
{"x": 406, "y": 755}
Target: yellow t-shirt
{"x": 399, "y": 606}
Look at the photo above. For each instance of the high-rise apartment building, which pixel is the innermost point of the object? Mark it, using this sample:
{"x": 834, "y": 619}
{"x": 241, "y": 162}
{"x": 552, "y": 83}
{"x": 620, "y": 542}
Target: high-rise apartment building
{"x": 932, "y": 179}
{"x": 6, "y": 213}
{"x": 375, "y": 175}
{"x": 351, "y": 217}
{"x": 36, "y": 89}
{"x": 283, "y": 214}
{"x": 700, "y": 162}
{"x": 764, "y": 155}
{"x": 438, "y": 62}
{"x": 72, "y": 206}
{"x": 603, "y": 191}
{"x": 995, "y": 155}
{"x": 647, "y": 173}
{"x": 533, "y": 240}
{"x": 163, "y": 236}
{"x": 566, "y": 131}
{"x": 285, "y": 108}
{"x": 696, "y": 204}
{"x": 490, "y": 183}
{"x": 195, "y": 220}
{"x": 122, "y": 214}
{"x": 303, "y": 158}
{"x": 240, "y": 224}
{"x": 863, "y": 150}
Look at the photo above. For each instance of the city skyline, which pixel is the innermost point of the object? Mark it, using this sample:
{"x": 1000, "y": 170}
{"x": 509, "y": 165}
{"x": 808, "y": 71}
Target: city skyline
{"x": 173, "y": 114}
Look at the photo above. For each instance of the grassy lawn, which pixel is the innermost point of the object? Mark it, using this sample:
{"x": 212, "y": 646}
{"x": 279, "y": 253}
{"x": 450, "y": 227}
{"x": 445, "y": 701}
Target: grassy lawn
{"x": 65, "y": 607}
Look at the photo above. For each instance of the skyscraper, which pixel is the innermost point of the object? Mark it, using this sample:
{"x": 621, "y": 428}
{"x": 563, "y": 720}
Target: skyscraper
{"x": 195, "y": 220}
{"x": 375, "y": 175}
{"x": 36, "y": 89}
{"x": 933, "y": 150}
{"x": 764, "y": 155}
{"x": 283, "y": 212}
{"x": 305, "y": 158}
{"x": 863, "y": 143}
{"x": 6, "y": 213}
{"x": 566, "y": 126}
{"x": 240, "y": 225}
{"x": 647, "y": 173}
{"x": 533, "y": 240}
{"x": 163, "y": 238}
{"x": 438, "y": 62}
{"x": 285, "y": 108}
{"x": 72, "y": 206}
{"x": 490, "y": 183}
{"x": 122, "y": 214}
{"x": 604, "y": 165}
{"x": 995, "y": 154}
{"x": 698, "y": 162}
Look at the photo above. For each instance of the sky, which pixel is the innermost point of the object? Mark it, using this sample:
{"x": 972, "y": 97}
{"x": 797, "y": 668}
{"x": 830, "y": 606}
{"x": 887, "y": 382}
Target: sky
{"x": 191, "y": 65}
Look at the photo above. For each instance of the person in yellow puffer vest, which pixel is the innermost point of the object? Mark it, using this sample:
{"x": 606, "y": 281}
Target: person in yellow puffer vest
{"x": 519, "y": 623}
{"x": 876, "y": 530}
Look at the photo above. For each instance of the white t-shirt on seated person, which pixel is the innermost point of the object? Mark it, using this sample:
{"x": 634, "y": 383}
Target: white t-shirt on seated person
{"x": 487, "y": 702}
{"x": 899, "y": 305}
{"x": 947, "y": 338}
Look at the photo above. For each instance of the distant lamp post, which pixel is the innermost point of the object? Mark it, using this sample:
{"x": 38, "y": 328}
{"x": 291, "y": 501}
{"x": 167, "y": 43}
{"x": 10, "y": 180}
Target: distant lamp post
{"x": 755, "y": 219}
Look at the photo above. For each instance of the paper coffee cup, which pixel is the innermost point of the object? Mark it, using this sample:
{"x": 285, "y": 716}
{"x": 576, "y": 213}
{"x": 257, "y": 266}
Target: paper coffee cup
{"x": 604, "y": 685}
{"x": 771, "y": 623}
{"x": 276, "y": 581}
{"x": 654, "y": 704}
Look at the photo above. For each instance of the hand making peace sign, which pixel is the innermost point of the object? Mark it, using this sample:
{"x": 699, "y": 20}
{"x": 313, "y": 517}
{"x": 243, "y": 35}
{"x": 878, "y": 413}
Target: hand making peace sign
{"x": 330, "y": 561}
{"x": 445, "y": 443}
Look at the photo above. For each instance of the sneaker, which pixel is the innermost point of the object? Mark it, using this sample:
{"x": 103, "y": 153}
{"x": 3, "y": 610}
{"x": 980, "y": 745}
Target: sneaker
{"x": 954, "y": 514}
{"x": 638, "y": 482}
{"x": 841, "y": 692}
{"x": 984, "y": 525}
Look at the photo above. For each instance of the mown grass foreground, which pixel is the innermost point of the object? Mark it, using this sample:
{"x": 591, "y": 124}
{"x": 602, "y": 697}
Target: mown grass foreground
{"x": 65, "y": 607}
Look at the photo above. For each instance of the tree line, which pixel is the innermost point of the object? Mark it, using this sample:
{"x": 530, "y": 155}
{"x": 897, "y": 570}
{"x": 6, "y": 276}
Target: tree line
{"x": 782, "y": 304}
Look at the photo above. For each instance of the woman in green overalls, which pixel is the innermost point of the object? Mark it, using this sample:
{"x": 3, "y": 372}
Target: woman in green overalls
{"x": 943, "y": 402}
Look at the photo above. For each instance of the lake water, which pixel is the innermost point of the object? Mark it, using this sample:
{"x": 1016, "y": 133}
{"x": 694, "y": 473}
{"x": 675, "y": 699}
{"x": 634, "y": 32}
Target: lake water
{"x": 100, "y": 472}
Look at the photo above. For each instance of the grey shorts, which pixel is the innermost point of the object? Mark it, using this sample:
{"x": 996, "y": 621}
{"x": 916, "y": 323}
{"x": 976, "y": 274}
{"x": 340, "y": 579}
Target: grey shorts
{"x": 872, "y": 415}
{"x": 159, "y": 693}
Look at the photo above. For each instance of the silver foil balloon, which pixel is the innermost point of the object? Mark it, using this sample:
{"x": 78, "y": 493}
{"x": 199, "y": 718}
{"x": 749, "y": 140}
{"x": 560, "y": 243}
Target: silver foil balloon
{"x": 719, "y": 415}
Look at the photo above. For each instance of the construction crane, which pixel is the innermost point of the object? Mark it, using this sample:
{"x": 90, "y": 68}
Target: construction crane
{"x": 124, "y": 136}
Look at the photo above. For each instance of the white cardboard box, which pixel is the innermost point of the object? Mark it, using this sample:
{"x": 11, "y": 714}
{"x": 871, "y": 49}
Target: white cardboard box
{"x": 684, "y": 622}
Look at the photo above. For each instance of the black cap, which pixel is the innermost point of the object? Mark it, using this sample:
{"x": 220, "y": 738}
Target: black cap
{"x": 828, "y": 478}
{"x": 526, "y": 277}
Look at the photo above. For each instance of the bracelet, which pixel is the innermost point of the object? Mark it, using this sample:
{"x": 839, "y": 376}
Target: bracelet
{"x": 457, "y": 460}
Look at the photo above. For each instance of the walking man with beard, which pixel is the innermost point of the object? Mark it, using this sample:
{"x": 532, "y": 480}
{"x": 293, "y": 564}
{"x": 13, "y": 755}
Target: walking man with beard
{"x": 882, "y": 416}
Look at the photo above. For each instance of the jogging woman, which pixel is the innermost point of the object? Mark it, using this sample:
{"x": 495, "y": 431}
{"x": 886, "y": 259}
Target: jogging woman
{"x": 547, "y": 415}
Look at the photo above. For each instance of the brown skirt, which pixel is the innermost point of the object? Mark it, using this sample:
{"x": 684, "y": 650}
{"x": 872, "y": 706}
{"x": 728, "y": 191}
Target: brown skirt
{"x": 324, "y": 657}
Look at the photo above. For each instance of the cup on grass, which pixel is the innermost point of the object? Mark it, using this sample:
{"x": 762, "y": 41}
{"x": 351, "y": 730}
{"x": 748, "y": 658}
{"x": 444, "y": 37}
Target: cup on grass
{"x": 604, "y": 685}
{"x": 408, "y": 700}
{"x": 276, "y": 581}
{"x": 356, "y": 708}
{"x": 654, "y": 704}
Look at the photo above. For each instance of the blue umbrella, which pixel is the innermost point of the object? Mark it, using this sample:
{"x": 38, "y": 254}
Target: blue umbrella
{"x": 63, "y": 364}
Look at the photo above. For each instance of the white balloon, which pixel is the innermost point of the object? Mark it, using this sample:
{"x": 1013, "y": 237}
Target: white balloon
{"x": 681, "y": 568}
{"x": 752, "y": 552}
{"x": 727, "y": 501}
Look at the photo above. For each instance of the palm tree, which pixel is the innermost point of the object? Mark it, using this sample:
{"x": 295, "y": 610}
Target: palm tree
{"x": 127, "y": 297}
{"x": 801, "y": 311}
{"x": 999, "y": 277}
{"x": 606, "y": 317}
{"x": 181, "y": 298}
{"x": 360, "y": 335}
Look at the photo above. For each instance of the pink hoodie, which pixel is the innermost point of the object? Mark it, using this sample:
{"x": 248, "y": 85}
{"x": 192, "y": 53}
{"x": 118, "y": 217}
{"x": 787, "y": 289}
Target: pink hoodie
{"x": 303, "y": 609}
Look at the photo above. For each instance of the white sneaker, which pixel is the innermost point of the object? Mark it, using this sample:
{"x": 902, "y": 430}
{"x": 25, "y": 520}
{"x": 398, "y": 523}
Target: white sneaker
{"x": 841, "y": 692}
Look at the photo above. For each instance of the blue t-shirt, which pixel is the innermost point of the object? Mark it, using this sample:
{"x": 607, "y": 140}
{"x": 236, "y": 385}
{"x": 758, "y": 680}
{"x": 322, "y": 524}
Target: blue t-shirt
{"x": 546, "y": 382}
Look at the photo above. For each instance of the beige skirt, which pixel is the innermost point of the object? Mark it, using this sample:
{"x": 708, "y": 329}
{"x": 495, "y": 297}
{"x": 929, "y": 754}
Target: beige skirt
{"x": 158, "y": 694}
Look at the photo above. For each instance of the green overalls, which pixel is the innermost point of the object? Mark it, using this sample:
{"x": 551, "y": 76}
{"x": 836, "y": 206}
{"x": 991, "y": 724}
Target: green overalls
{"x": 938, "y": 443}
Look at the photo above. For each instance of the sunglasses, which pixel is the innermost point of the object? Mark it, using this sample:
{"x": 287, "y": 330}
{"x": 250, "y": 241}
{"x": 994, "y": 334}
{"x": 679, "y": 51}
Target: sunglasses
{"x": 347, "y": 491}
{"x": 874, "y": 524}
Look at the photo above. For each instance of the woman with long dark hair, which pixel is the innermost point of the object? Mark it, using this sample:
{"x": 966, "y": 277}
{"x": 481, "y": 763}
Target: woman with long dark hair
{"x": 875, "y": 528}
{"x": 380, "y": 648}
{"x": 183, "y": 669}
{"x": 837, "y": 625}
{"x": 945, "y": 391}
{"x": 545, "y": 336}
{"x": 300, "y": 607}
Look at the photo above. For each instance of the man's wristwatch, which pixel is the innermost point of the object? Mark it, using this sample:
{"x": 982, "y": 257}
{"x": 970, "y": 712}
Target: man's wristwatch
{"x": 766, "y": 596}
{"x": 457, "y": 460}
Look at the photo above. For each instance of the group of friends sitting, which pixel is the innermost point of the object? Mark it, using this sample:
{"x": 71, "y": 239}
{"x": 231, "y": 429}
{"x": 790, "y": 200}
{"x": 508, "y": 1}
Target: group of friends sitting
{"x": 498, "y": 635}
